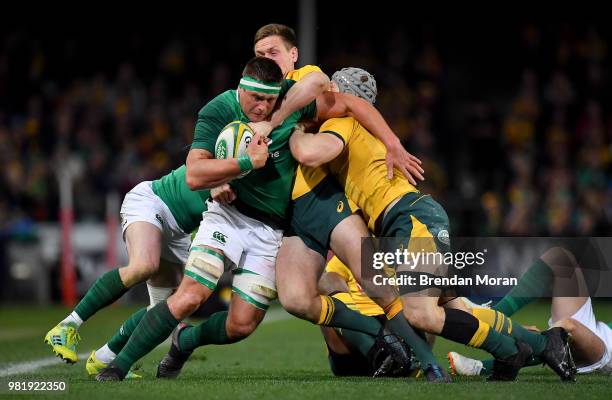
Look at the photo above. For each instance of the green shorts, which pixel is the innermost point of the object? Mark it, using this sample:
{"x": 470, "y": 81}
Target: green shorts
{"x": 318, "y": 212}
{"x": 417, "y": 217}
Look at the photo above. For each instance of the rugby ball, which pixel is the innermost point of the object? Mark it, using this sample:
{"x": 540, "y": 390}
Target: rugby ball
{"x": 233, "y": 141}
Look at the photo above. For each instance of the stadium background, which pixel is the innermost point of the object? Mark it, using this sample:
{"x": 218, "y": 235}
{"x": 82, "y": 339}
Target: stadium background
{"x": 511, "y": 119}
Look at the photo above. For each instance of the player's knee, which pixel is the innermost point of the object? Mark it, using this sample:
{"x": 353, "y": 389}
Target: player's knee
{"x": 292, "y": 304}
{"x": 140, "y": 270}
{"x": 240, "y": 328}
{"x": 186, "y": 304}
{"x": 298, "y": 305}
{"x": 561, "y": 261}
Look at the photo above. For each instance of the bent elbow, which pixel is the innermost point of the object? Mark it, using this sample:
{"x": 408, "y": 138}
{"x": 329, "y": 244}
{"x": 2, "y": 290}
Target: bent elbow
{"x": 193, "y": 183}
{"x": 322, "y": 83}
{"x": 311, "y": 160}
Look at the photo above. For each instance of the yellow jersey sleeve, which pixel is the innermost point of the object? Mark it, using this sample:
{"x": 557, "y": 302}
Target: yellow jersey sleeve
{"x": 298, "y": 74}
{"x": 340, "y": 127}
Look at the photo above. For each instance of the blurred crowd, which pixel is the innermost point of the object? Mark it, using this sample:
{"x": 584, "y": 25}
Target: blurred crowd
{"x": 525, "y": 154}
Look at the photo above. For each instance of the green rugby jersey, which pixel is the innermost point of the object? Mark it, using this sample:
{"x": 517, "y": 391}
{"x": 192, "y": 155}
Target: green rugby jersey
{"x": 186, "y": 206}
{"x": 267, "y": 189}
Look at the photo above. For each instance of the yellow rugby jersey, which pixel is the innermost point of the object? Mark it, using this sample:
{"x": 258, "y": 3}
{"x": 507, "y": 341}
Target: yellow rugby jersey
{"x": 299, "y": 73}
{"x": 362, "y": 303}
{"x": 306, "y": 178}
{"x": 361, "y": 169}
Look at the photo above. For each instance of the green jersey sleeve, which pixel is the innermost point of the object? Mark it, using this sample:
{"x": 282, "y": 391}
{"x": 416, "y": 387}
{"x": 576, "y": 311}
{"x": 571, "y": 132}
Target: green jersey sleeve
{"x": 211, "y": 120}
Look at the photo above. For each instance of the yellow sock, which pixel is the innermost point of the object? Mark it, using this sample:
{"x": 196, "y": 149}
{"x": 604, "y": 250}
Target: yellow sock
{"x": 495, "y": 319}
{"x": 393, "y": 308}
{"x": 327, "y": 310}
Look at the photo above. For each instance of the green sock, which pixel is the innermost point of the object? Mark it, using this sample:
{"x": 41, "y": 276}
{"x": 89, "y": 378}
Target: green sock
{"x": 336, "y": 314}
{"x": 211, "y": 331}
{"x": 535, "y": 340}
{"x": 400, "y": 326}
{"x": 105, "y": 290}
{"x": 505, "y": 326}
{"x": 534, "y": 284}
{"x": 157, "y": 324}
{"x": 487, "y": 365}
{"x": 500, "y": 346}
{"x": 121, "y": 337}
{"x": 359, "y": 340}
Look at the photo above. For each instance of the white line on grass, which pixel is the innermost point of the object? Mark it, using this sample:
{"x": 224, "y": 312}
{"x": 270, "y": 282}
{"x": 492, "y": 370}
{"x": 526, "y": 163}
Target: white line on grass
{"x": 274, "y": 315}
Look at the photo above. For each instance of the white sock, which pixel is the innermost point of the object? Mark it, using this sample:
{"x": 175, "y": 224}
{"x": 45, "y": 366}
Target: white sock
{"x": 158, "y": 294}
{"x": 73, "y": 318}
{"x": 105, "y": 354}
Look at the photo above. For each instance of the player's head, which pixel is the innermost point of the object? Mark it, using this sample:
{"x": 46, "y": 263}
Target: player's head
{"x": 259, "y": 88}
{"x": 277, "y": 42}
{"x": 355, "y": 81}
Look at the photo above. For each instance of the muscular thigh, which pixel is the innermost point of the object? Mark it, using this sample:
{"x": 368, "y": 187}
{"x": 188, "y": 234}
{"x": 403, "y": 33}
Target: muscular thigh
{"x": 297, "y": 268}
{"x": 346, "y": 241}
{"x": 565, "y": 307}
{"x": 143, "y": 242}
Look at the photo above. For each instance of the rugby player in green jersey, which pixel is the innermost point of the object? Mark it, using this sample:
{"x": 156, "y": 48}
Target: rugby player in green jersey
{"x": 156, "y": 220}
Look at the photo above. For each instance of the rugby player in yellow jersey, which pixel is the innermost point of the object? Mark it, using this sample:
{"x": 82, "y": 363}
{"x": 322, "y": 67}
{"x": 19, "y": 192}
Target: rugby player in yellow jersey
{"x": 396, "y": 209}
{"x": 322, "y": 219}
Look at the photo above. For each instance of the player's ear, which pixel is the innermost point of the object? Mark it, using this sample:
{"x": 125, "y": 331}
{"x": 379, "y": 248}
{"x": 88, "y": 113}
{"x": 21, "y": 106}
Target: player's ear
{"x": 294, "y": 54}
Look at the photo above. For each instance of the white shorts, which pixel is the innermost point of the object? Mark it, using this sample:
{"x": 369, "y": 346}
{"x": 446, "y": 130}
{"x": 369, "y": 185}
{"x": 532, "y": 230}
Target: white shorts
{"x": 142, "y": 205}
{"x": 246, "y": 242}
{"x": 586, "y": 317}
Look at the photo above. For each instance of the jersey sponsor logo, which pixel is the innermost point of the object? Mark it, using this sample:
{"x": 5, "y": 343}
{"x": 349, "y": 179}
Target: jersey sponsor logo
{"x": 276, "y": 154}
{"x": 221, "y": 150}
{"x": 340, "y": 206}
{"x": 444, "y": 237}
{"x": 219, "y": 237}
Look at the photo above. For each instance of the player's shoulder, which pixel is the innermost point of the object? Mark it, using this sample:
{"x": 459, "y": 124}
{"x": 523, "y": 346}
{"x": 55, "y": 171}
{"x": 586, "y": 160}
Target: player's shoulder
{"x": 299, "y": 73}
{"x": 343, "y": 124}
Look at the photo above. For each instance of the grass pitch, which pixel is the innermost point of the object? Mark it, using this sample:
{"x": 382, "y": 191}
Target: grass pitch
{"x": 284, "y": 359}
